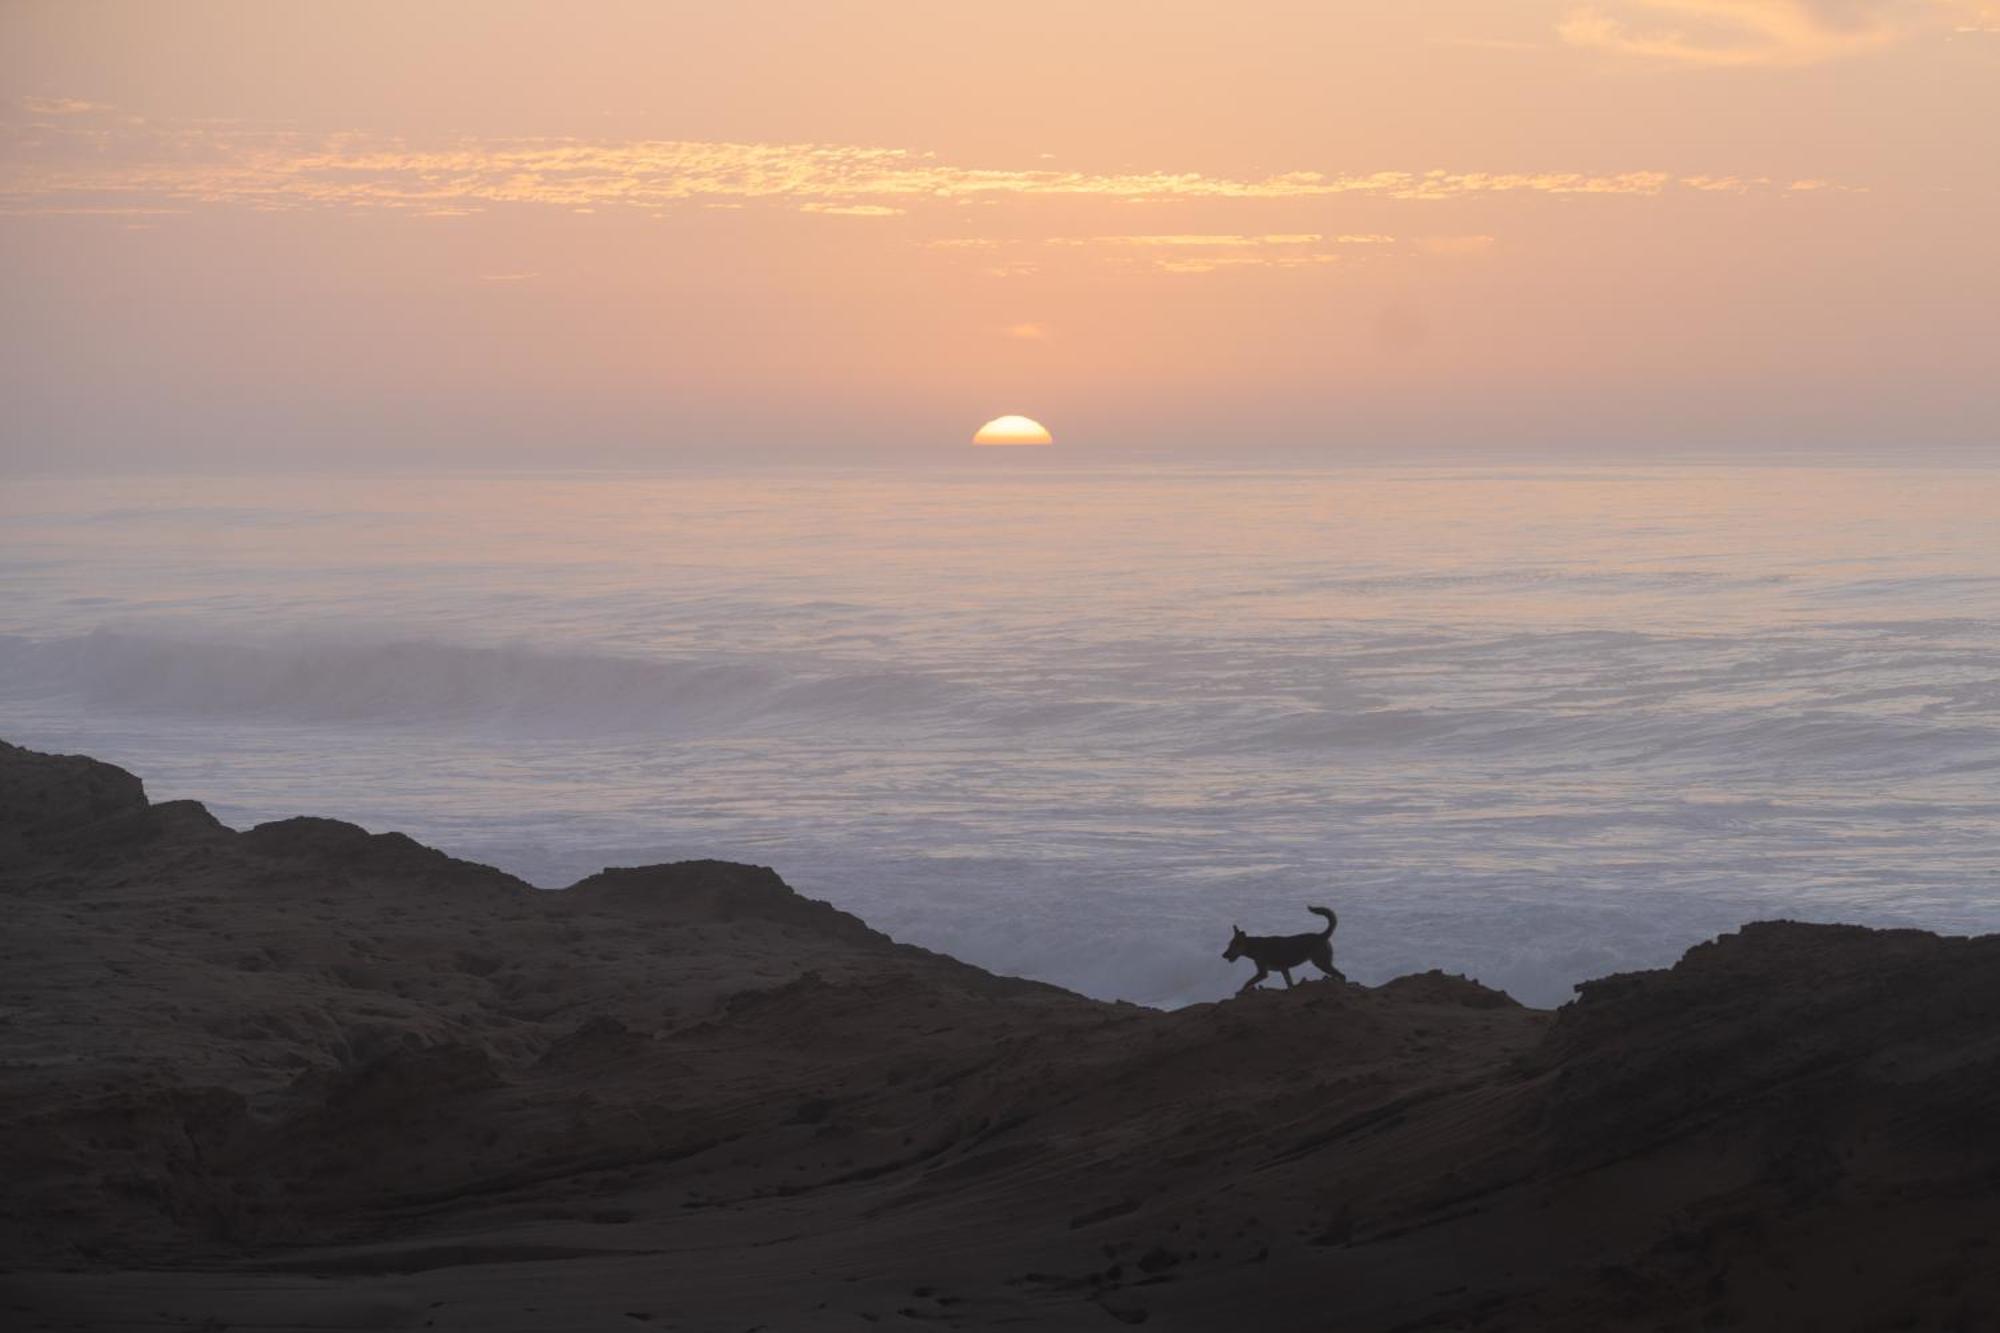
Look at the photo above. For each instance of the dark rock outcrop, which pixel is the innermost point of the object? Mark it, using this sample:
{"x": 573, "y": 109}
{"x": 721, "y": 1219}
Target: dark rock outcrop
{"x": 48, "y": 797}
{"x": 718, "y": 891}
{"x": 309, "y": 1075}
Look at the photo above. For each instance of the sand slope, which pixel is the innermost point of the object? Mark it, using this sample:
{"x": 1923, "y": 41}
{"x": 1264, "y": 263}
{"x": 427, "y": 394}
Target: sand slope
{"x": 305, "y": 1076}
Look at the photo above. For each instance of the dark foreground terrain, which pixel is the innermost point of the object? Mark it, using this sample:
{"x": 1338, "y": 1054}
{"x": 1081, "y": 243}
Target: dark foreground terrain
{"x": 306, "y": 1077}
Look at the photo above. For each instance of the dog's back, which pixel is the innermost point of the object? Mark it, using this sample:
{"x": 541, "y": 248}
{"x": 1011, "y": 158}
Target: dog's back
{"x": 1280, "y": 951}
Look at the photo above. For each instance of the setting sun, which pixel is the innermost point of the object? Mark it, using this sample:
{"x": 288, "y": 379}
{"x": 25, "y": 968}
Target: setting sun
{"x": 1013, "y": 430}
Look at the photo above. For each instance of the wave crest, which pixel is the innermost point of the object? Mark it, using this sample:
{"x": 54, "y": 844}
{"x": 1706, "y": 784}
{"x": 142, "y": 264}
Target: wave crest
{"x": 520, "y": 690}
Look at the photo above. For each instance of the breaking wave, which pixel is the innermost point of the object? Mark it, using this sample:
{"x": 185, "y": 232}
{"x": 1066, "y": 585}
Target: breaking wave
{"x": 1528, "y": 725}
{"x": 515, "y": 690}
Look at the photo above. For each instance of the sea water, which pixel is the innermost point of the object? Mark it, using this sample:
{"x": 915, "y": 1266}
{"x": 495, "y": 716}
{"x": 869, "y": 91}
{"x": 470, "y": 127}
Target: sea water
{"x": 1072, "y": 718}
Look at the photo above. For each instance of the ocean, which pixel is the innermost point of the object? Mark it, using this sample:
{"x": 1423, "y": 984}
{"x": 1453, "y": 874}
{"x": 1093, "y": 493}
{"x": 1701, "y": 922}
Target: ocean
{"x": 1072, "y": 718}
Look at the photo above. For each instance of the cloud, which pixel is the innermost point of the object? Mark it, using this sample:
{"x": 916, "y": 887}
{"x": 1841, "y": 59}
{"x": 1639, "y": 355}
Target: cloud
{"x": 61, "y": 106}
{"x": 89, "y": 211}
{"x": 91, "y": 160}
{"x": 1456, "y": 245}
{"x": 1225, "y": 240}
{"x": 1976, "y": 17}
{"x": 1754, "y": 33}
{"x": 1205, "y": 252}
{"x": 853, "y": 210}
{"x": 1725, "y": 184}
{"x": 1486, "y": 43}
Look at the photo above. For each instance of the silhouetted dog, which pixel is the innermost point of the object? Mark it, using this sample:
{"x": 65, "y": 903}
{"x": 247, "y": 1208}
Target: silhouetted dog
{"x": 1282, "y": 953}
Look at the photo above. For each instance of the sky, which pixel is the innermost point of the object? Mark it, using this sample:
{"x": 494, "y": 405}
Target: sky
{"x": 499, "y": 232}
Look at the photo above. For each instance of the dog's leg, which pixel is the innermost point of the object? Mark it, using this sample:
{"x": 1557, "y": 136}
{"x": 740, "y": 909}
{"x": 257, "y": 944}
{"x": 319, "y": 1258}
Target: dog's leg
{"x": 1288, "y": 977}
{"x": 1251, "y": 984}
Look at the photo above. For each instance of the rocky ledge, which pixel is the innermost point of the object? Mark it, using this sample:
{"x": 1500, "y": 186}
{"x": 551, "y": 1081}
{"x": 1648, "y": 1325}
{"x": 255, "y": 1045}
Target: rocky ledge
{"x": 305, "y": 1075}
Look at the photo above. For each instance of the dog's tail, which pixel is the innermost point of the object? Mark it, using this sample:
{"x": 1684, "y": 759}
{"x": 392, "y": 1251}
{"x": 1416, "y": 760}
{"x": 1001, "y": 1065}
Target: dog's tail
{"x": 1331, "y": 920}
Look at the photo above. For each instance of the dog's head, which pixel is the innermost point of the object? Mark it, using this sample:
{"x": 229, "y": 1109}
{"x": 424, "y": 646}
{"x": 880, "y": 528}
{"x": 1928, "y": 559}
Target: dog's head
{"x": 1237, "y": 940}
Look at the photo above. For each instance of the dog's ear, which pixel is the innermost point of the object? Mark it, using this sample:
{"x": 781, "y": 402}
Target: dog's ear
{"x": 1235, "y": 929}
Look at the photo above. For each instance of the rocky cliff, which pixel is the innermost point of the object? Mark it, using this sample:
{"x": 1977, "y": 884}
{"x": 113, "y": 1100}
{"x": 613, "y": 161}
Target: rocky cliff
{"x": 305, "y": 1075}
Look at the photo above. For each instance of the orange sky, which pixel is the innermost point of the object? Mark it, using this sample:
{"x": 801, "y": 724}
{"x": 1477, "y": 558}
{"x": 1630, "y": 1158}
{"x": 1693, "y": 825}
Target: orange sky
{"x": 509, "y": 231}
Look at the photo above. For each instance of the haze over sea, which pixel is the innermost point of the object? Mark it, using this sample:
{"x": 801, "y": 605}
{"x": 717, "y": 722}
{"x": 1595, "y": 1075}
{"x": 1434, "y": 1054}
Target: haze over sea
{"x": 1071, "y": 718}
